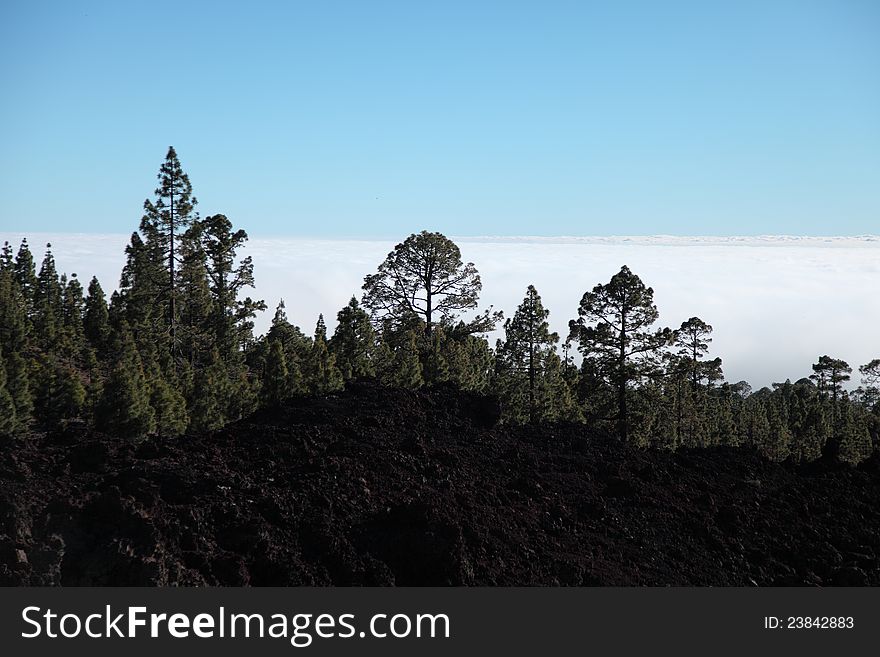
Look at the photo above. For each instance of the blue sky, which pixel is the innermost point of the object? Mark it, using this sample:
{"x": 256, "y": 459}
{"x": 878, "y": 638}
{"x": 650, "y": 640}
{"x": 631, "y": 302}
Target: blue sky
{"x": 473, "y": 118}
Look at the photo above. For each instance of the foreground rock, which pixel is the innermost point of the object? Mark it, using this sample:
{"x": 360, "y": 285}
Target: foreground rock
{"x": 380, "y": 487}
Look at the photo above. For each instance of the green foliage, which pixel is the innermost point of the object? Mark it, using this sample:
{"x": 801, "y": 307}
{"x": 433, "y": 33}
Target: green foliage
{"x": 353, "y": 343}
{"x": 14, "y": 320}
{"x": 47, "y": 303}
{"x": 209, "y": 406}
{"x": 406, "y": 369}
{"x": 231, "y": 318}
{"x": 96, "y": 318}
{"x": 174, "y": 349}
{"x": 26, "y": 276}
{"x": 168, "y": 403}
{"x": 195, "y": 337}
{"x": 529, "y": 373}
{"x": 124, "y": 409}
{"x": 61, "y": 395}
{"x": 321, "y": 374}
{"x": 277, "y": 386}
{"x": 613, "y": 329}
{"x": 8, "y": 421}
{"x": 423, "y": 276}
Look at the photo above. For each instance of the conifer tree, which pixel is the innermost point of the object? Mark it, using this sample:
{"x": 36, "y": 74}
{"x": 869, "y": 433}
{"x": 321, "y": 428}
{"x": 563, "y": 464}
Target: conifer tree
{"x": 211, "y": 392}
{"x": 8, "y": 422}
{"x": 73, "y": 343}
{"x": 353, "y": 343}
{"x": 829, "y": 375}
{"x": 96, "y": 319}
{"x": 406, "y": 370}
{"x": 424, "y": 276}
{"x": 470, "y": 363}
{"x": 871, "y": 380}
{"x": 7, "y": 261}
{"x": 124, "y": 409}
{"x": 276, "y": 384}
{"x": 47, "y": 303}
{"x": 14, "y": 320}
{"x": 18, "y": 384}
{"x": 613, "y": 329}
{"x": 529, "y": 372}
{"x": 244, "y": 393}
{"x": 384, "y": 361}
{"x": 322, "y": 376}
{"x": 166, "y": 399}
{"x": 164, "y": 222}
{"x": 196, "y": 308}
{"x": 435, "y": 367}
{"x": 232, "y": 318}
{"x": 293, "y": 340}
{"x": 26, "y": 275}
{"x": 62, "y": 394}
{"x": 141, "y": 287}
{"x": 693, "y": 339}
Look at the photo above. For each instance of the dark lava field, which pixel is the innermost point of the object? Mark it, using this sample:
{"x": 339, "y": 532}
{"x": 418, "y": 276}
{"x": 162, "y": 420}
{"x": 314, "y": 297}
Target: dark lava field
{"x": 389, "y": 487}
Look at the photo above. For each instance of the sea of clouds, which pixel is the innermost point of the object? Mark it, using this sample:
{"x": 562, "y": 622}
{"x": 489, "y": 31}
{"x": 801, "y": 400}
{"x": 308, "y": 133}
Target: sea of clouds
{"x": 776, "y": 303}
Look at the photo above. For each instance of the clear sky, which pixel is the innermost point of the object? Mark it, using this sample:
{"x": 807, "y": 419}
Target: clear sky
{"x": 375, "y": 118}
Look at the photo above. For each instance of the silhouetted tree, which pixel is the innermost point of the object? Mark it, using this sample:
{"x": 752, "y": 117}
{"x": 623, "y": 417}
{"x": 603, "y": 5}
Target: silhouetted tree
{"x": 164, "y": 222}
{"x": 354, "y": 342}
{"x": 425, "y": 276}
{"x": 829, "y": 375}
{"x": 526, "y": 362}
{"x": 322, "y": 375}
{"x": 613, "y": 332}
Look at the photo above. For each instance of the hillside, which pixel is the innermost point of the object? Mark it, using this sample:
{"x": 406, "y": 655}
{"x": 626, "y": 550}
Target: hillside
{"x": 384, "y": 487}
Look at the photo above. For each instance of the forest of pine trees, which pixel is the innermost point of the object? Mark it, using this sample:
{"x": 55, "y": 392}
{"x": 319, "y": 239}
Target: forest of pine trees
{"x": 173, "y": 349}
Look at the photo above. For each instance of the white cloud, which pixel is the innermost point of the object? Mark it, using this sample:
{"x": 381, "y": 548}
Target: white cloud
{"x": 777, "y": 303}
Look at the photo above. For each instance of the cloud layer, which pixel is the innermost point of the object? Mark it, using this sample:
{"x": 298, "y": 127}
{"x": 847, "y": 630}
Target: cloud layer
{"x": 776, "y": 303}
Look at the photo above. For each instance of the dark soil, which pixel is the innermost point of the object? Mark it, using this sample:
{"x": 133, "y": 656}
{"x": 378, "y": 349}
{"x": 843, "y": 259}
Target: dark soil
{"x": 380, "y": 487}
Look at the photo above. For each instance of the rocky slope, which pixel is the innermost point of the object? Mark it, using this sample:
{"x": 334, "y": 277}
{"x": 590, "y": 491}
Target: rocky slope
{"x": 383, "y": 487}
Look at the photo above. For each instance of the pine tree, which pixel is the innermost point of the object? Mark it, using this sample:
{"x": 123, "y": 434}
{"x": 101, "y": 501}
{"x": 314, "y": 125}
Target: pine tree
{"x": 406, "y": 370}
{"x": 613, "y": 329}
{"x": 293, "y": 340}
{"x": 18, "y": 384}
{"x": 124, "y": 409}
{"x": 529, "y": 372}
{"x": 26, "y": 275}
{"x": 353, "y": 343}
{"x": 830, "y": 374}
{"x": 244, "y": 392}
{"x": 855, "y": 439}
{"x": 232, "y": 318}
{"x": 276, "y": 384}
{"x": 384, "y": 361}
{"x": 7, "y": 261}
{"x": 425, "y": 277}
{"x": 321, "y": 375}
{"x": 435, "y": 367}
{"x": 8, "y": 422}
{"x": 72, "y": 344}
{"x": 62, "y": 395}
{"x": 469, "y": 362}
{"x": 163, "y": 225}
{"x": 166, "y": 399}
{"x": 14, "y": 320}
{"x": 196, "y": 308}
{"x": 47, "y": 303}
{"x": 211, "y": 392}
{"x": 96, "y": 319}
{"x": 141, "y": 289}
